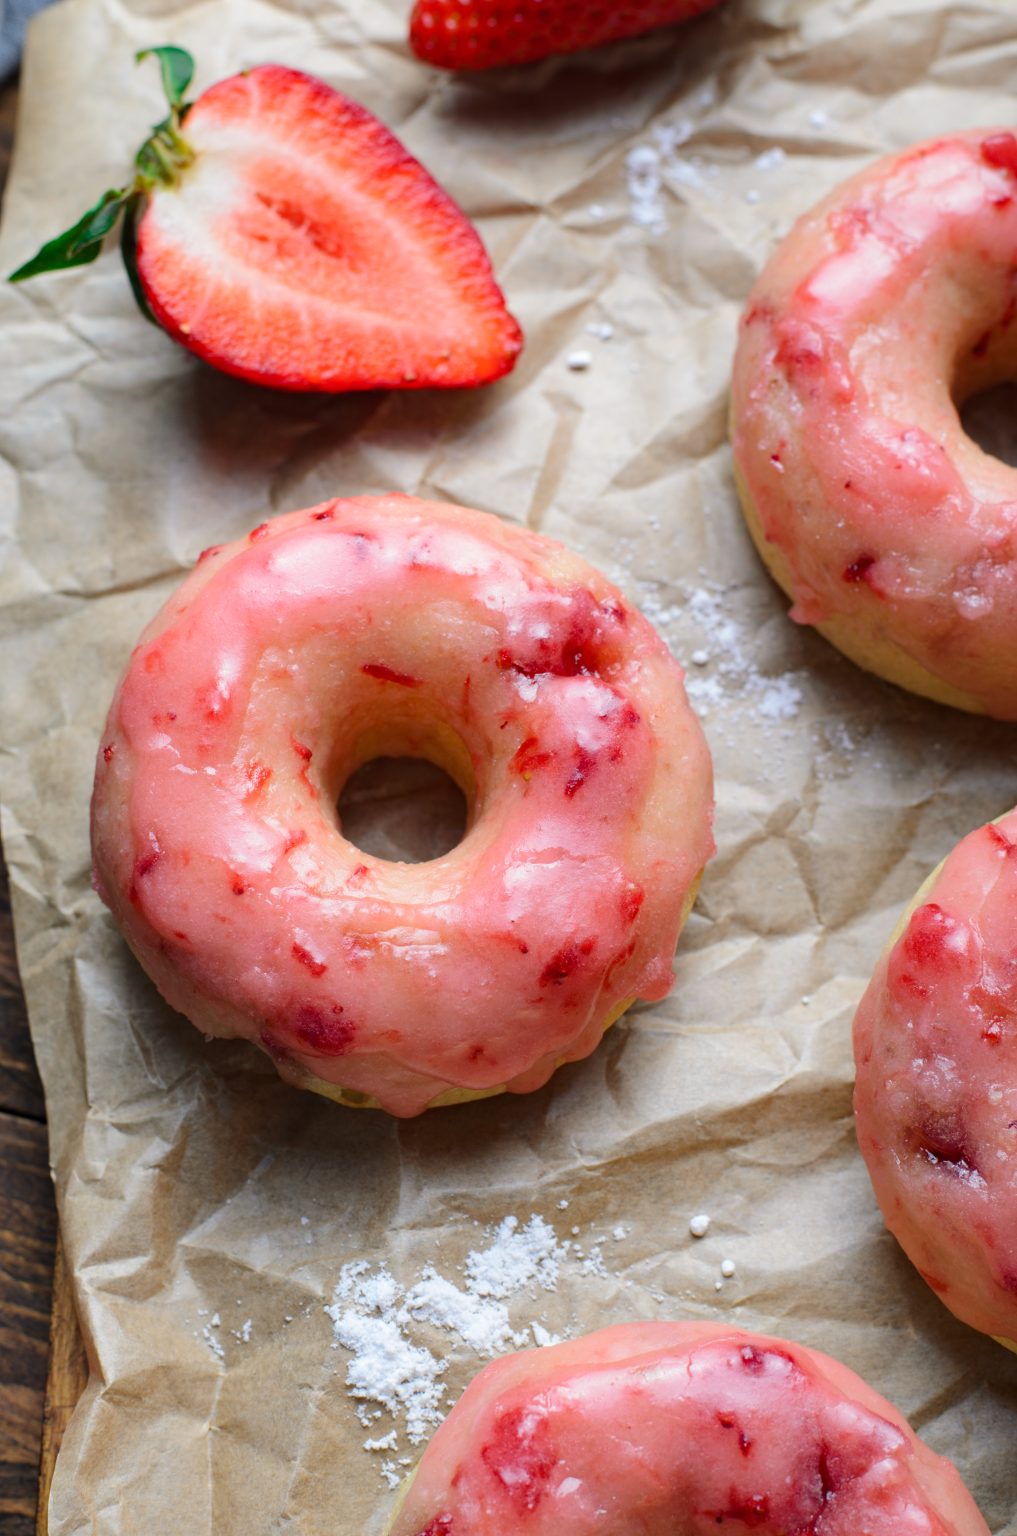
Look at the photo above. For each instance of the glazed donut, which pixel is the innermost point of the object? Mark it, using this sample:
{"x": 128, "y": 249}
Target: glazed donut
{"x": 651, "y": 1429}
{"x": 935, "y": 1041}
{"x": 366, "y": 628}
{"x": 893, "y": 533}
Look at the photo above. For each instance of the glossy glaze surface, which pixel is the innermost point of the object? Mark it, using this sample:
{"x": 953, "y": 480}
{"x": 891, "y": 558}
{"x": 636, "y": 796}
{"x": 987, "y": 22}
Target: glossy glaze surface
{"x": 887, "y": 305}
{"x": 936, "y": 1094}
{"x": 679, "y": 1429}
{"x": 388, "y": 626}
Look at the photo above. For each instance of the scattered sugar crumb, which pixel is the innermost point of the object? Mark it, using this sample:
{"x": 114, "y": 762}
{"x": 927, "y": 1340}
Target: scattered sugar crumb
{"x": 619, "y": 1233}
{"x": 541, "y": 1337}
{"x": 651, "y": 167}
{"x": 642, "y": 172}
{"x": 671, "y": 136}
{"x": 781, "y": 700}
{"x": 480, "y": 1322}
{"x": 727, "y": 1268}
{"x": 706, "y": 693}
{"x": 603, "y": 330}
{"x": 819, "y": 119}
{"x": 385, "y": 1443}
{"x": 563, "y": 1205}
{"x": 726, "y": 672}
{"x": 770, "y": 159}
{"x": 699, "y": 1225}
{"x": 214, "y": 1344}
{"x": 579, "y": 360}
{"x": 517, "y": 1256}
{"x": 593, "y": 1262}
{"x": 597, "y": 211}
{"x": 835, "y": 747}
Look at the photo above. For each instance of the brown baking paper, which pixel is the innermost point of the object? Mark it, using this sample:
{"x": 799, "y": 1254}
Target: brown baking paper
{"x": 191, "y": 1183}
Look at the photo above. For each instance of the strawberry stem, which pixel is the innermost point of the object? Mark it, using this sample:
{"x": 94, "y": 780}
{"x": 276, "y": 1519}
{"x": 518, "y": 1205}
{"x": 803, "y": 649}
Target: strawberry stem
{"x": 160, "y": 161}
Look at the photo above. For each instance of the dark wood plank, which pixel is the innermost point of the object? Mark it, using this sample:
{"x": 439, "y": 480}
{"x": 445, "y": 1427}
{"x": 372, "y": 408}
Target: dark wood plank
{"x": 27, "y": 1214}
{"x": 27, "y": 1241}
{"x": 68, "y": 1373}
{"x": 8, "y": 114}
{"x": 20, "y": 1088}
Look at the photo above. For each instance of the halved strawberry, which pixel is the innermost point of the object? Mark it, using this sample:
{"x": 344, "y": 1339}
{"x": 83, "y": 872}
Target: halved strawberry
{"x": 282, "y": 233}
{"x": 480, "y": 34}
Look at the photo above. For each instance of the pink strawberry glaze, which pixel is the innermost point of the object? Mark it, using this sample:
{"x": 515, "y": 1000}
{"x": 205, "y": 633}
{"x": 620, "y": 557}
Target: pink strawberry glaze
{"x": 936, "y": 1095}
{"x": 651, "y": 1429}
{"x": 334, "y": 635}
{"x": 895, "y": 297}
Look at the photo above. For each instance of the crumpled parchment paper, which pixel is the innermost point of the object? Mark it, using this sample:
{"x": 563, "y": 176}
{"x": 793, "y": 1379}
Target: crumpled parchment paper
{"x": 183, "y": 1168}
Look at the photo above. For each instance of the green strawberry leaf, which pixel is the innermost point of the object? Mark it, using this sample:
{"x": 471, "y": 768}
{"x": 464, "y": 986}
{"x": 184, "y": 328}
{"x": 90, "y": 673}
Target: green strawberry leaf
{"x": 80, "y": 244}
{"x": 177, "y": 69}
{"x": 128, "y": 250}
{"x": 159, "y": 162}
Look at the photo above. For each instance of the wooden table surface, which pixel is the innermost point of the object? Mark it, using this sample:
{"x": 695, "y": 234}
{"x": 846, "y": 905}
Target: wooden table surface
{"x": 27, "y": 1214}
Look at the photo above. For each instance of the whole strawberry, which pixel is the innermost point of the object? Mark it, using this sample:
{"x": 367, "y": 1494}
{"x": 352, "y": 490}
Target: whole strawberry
{"x": 480, "y": 34}
{"x": 279, "y": 231}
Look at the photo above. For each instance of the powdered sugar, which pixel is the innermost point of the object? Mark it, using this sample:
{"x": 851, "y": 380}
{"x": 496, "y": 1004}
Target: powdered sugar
{"x": 516, "y": 1256}
{"x": 482, "y": 1324}
{"x": 386, "y": 1367}
{"x": 650, "y": 168}
{"x": 726, "y": 672}
{"x": 394, "y": 1368}
{"x": 780, "y": 700}
{"x": 642, "y": 171}
{"x": 211, "y": 1338}
{"x": 666, "y": 162}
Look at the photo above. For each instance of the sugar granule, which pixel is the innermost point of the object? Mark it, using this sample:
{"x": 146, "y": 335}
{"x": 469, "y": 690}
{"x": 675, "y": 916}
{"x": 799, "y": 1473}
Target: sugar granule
{"x": 385, "y": 1366}
{"x": 481, "y": 1323}
{"x": 517, "y": 1256}
{"x": 727, "y": 672}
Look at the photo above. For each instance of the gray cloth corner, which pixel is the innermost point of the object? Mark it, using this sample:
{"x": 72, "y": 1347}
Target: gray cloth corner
{"x": 14, "y": 17}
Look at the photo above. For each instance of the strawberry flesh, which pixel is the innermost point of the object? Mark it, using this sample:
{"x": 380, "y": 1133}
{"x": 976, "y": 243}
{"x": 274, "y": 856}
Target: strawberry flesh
{"x": 481, "y": 34}
{"x": 305, "y": 249}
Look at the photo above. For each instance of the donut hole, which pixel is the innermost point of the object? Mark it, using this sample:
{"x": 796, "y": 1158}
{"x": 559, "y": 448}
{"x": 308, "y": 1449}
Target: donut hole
{"x": 404, "y": 809}
{"x": 988, "y": 417}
